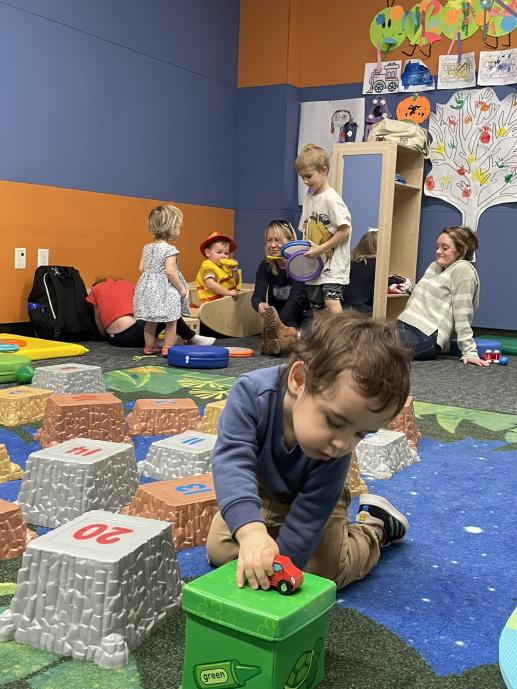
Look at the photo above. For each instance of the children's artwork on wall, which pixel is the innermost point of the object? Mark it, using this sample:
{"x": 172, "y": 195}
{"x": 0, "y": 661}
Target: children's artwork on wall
{"x": 416, "y": 76}
{"x": 474, "y": 152}
{"x": 500, "y": 19}
{"x": 497, "y": 67}
{"x": 326, "y": 123}
{"x": 423, "y": 25}
{"x": 457, "y": 71}
{"x": 415, "y": 108}
{"x": 462, "y": 18}
{"x": 378, "y": 111}
{"x": 387, "y": 30}
{"x": 382, "y": 77}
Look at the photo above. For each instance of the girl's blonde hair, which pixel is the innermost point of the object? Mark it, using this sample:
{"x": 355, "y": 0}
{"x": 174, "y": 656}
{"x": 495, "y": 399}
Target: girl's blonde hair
{"x": 464, "y": 239}
{"x": 164, "y": 222}
{"x": 283, "y": 229}
{"x": 312, "y": 156}
{"x": 366, "y": 247}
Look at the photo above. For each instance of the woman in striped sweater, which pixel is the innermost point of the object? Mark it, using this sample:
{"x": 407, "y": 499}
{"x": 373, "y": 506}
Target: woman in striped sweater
{"x": 444, "y": 300}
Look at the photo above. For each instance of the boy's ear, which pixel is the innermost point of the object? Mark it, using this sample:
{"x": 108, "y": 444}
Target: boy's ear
{"x": 206, "y": 250}
{"x": 296, "y": 378}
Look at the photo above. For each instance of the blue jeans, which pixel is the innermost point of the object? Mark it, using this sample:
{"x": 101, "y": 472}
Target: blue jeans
{"x": 423, "y": 346}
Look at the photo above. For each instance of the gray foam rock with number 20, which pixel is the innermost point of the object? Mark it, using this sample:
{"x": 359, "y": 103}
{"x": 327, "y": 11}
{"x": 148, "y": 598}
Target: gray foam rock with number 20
{"x": 95, "y": 588}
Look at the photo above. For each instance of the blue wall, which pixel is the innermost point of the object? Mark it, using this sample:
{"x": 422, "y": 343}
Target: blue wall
{"x": 266, "y": 188}
{"x": 131, "y": 97}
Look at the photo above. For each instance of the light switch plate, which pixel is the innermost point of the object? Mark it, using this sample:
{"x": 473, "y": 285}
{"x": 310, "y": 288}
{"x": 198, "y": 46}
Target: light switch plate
{"x": 20, "y": 258}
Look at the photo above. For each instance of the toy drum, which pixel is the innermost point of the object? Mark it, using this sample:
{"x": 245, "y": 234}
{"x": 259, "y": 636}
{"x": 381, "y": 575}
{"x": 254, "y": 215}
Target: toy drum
{"x": 299, "y": 266}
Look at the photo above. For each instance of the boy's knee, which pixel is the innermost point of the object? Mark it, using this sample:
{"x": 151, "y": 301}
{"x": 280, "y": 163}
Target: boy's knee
{"x": 220, "y": 546}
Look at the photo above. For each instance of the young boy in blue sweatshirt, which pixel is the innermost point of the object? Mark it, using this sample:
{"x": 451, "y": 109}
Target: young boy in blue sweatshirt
{"x": 283, "y": 450}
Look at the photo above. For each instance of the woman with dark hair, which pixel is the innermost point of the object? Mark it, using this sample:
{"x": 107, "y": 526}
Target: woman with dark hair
{"x": 444, "y": 300}
{"x": 280, "y": 300}
{"x": 358, "y": 294}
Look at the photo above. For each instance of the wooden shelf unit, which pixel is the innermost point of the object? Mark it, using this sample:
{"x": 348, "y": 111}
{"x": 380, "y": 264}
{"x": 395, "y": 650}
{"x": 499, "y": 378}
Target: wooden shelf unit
{"x": 399, "y": 213}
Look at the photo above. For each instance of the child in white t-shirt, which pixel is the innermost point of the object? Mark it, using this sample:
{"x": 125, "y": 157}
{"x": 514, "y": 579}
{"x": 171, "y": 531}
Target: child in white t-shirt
{"x": 326, "y": 224}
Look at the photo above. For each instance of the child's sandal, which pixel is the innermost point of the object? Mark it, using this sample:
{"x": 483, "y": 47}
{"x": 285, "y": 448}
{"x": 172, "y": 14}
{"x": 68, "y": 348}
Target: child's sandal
{"x": 150, "y": 350}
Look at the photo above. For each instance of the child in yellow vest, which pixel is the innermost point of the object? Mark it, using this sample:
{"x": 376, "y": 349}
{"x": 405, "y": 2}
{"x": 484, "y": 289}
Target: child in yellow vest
{"x": 217, "y": 274}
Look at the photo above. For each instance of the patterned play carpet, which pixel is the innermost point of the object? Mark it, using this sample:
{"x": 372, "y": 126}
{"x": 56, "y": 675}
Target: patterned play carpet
{"x": 428, "y": 617}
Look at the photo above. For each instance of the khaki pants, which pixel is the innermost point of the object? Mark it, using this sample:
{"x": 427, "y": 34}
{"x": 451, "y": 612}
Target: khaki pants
{"x": 346, "y": 552}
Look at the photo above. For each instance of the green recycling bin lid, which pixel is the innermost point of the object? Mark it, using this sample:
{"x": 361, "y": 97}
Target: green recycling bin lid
{"x": 264, "y": 614}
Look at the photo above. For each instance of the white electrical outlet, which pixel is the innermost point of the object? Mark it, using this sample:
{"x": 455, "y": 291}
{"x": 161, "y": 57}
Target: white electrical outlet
{"x": 42, "y": 257}
{"x": 20, "y": 259}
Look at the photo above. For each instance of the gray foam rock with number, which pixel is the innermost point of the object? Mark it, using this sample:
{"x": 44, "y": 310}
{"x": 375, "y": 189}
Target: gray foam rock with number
{"x": 69, "y": 379}
{"x": 384, "y": 453}
{"x": 185, "y": 454}
{"x": 95, "y": 588}
{"x": 71, "y": 478}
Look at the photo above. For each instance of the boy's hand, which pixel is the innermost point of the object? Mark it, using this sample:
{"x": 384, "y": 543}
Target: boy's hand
{"x": 256, "y": 553}
{"x": 315, "y": 250}
{"x": 262, "y": 308}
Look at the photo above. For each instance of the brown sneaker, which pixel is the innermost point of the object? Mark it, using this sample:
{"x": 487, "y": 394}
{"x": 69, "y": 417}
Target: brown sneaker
{"x": 277, "y": 338}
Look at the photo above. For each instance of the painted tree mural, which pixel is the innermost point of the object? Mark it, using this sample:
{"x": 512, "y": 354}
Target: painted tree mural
{"x": 474, "y": 152}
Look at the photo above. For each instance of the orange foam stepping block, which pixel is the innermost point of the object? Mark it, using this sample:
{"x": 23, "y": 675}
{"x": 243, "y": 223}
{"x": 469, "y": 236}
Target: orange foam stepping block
{"x": 188, "y": 503}
{"x": 163, "y": 417}
{"x": 95, "y": 415}
{"x": 14, "y": 534}
{"x": 405, "y": 422}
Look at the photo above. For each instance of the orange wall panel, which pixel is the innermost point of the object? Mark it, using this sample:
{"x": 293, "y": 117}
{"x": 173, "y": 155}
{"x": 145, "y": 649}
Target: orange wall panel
{"x": 99, "y": 234}
{"x": 263, "y": 42}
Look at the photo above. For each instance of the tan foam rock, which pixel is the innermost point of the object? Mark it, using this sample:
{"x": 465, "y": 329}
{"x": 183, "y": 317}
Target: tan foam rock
{"x": 14, "y": 534}
{"x": 405, "y": 422}
{"x": 354, "y": 481}
{"x": 9, "y": 471}
{"x": 188, "y": 503}
{"x": 94, "y": 415}
{"x": 163, "y": 417}
{"x": 22, "y": 404}
{"x": 211, "y": 416}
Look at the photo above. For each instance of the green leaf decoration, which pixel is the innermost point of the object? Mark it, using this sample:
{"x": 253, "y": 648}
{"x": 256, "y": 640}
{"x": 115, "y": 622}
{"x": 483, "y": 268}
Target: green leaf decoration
{"x": 80, "y": 674}
{"x": 455, "y": 423}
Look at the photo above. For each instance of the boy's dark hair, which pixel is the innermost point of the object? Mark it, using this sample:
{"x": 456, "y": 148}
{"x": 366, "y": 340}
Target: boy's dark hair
{"x": 369, "y": 348}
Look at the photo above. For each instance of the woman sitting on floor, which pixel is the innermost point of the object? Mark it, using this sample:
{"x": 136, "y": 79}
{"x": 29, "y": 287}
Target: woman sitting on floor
{"x": 112, "y": 302}
{"x": 444, "y": 300}
{"x": 280, "y": 300}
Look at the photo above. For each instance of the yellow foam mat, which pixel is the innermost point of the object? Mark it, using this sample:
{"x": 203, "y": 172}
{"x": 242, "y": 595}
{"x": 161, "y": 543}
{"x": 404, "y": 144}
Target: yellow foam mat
{"x": 36, "y": 349}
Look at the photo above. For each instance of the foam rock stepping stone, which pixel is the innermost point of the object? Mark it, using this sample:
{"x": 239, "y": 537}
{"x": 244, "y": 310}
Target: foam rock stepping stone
{"x": 74, "y": 477}
{"x": 14, "y": 534}
{"x": 405, "y": 422}
{"x": 69, "y": 378}
{"x": 9, "y": 471}
{"x": 211, "y": 416}
{"x": 95, "y": 588}
{"x": 99, "y": 416}
{"x": 185, "y": 454}
{"x": 163, "y": 417}
{"x": 384, "y": 453}
{"x": 22, "y": 405}
{"x": 189, "y": 504}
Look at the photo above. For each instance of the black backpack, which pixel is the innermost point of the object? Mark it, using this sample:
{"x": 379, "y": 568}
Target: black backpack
{"x": 57, "y": 305}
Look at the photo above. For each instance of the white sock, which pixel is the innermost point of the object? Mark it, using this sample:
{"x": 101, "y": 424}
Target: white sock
{"x": 202, "y": 340}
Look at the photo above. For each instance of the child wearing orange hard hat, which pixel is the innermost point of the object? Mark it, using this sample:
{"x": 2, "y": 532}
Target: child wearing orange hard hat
{"x": 217, "y": 274}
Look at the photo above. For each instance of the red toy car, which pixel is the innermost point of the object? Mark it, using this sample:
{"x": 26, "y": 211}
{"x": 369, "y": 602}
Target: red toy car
{"x": 286, "y": 577}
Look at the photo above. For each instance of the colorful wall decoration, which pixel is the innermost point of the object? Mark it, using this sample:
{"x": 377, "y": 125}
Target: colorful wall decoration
{"x": 474, "y": 152}
{"x": 430, "y": 21}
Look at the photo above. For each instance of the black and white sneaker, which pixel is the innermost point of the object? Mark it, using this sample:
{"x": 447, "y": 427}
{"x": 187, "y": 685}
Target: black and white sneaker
{"x": 380, "y": 513}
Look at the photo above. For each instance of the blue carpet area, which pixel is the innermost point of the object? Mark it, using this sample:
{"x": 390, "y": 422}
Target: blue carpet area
{"x": 450, "y": 587}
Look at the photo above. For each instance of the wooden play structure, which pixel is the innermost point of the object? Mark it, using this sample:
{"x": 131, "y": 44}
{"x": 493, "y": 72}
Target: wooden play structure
{"x": 229, "y": 316}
